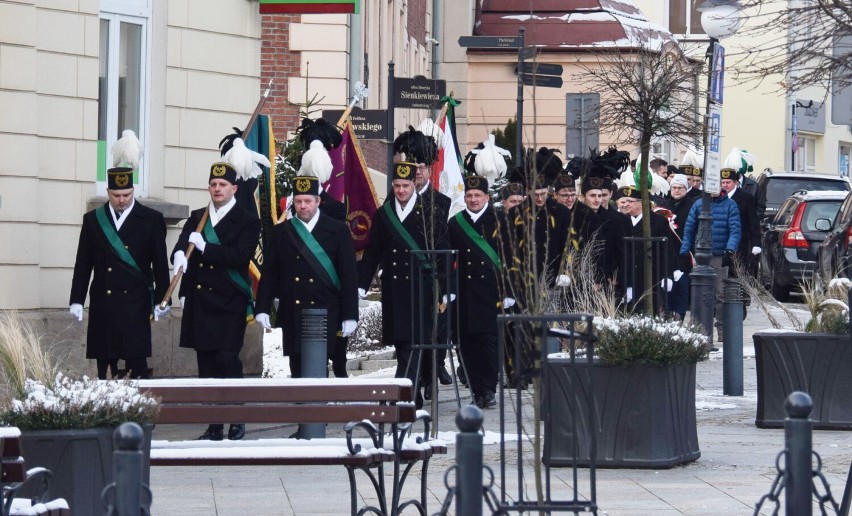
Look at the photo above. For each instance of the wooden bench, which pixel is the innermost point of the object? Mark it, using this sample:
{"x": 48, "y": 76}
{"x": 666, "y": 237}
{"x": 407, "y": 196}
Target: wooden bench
{"x": 14, "y": 477}
{"x": 383, "y": 410}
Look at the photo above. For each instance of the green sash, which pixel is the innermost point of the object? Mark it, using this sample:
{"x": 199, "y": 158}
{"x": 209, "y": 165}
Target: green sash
{"x": 316, "y": 249}
{"x": 233, "y": 275}
{"x": 118, "y": 247}
{"x": 478, "y": 239}
{"x": 403, "y": 234}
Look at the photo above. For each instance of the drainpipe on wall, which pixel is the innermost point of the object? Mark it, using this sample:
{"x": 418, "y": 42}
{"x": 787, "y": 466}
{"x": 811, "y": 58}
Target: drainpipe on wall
{"x": 355, "y": 54}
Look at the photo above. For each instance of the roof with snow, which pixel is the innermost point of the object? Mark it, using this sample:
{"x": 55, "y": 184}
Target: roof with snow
{"x": 572, "y": 24}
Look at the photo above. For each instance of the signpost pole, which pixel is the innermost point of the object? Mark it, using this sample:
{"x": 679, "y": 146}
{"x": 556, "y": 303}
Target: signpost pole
{"x": 390, "y": 133}
{"x": 519, "y": 120}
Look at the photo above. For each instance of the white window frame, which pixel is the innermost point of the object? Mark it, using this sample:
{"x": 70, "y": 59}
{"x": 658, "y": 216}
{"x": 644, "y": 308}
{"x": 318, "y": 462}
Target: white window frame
{"x": 844, "y": 149}
{"x": 806, "y": 154}
{"x": 136, "y": 12}
{"x": 689, "y": 23}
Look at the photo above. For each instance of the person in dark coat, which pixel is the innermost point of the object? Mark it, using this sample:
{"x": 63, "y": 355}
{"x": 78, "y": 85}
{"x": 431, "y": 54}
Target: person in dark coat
{"x": 303, "y": 275}
{"x": 399, "y": 226}
{"x": 124, "y": 244}
{"x": 678, "y": 204}
{"x": 421, "y": 148}
{"x": 218, "y": 298}
{"x": 749, "y": 248}
{"x": 664, "y": 254}
{"x": 473, "y": 232}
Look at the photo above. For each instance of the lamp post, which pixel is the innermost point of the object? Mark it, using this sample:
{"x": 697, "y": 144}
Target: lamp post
{"x": 719, "y": 19}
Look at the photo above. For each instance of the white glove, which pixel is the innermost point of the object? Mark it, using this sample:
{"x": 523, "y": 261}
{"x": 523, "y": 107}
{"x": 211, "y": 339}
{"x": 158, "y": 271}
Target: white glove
{"x": 677, "y": 275}
{"x": 508, "y": 302}
{"x": 179, "y": 262}
{"x": 196, "y": 238}
{"x": 756, "y": 250}
{"x": 444, "y": 298}
{"x": 160, "y": 312}
{"x": 563, "y": 280}
{"x": 263, "y": 320}
{"x": 76, "y": 310}
{"x": 667, "y": 284}
{"x": 379, "y": 274}
{"x": 362, "y": 294}
{"x": 628, "y": 296}
{"x": 182, "y": 301}
{"x": 348, "y": 327}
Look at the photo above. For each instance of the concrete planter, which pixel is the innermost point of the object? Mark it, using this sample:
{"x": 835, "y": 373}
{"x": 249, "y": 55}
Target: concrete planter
{"x": 81, "y": 462}
{"x": 817, "y": 363}
{"x": 644, "y": 416}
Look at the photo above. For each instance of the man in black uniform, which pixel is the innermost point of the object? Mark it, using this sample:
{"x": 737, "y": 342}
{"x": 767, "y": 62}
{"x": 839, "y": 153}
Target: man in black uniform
{"x": 749, "y": 247}
{"x": 216, "y": 285}
{"x": 400, "y": 226}
{"x": 124, "y": 243}
{"x": 309, "y": 264}
{"x": 417, "y": 147}
{"x": 473, "y": 232}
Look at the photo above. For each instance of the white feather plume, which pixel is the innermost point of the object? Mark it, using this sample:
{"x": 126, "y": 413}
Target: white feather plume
{"x": 739, "y": 160}
{"x": 693, "y": 158}
{"x": 316, "y": 162}
{"x": 490, "y": 162}
{"x": 244, "y": 160}
{"x": 127, "y": 150}
{"x": 429, "y": 128}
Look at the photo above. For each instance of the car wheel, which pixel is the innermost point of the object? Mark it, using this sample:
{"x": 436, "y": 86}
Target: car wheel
{"x": 778, "y": 291}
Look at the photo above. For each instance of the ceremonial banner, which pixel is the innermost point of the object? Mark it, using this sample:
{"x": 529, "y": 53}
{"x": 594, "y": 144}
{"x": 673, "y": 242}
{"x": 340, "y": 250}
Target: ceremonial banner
{"x": 309, "y": 6}
{"x": 350, "y": 183}
{"x": 447, "y": 170}
{"x": 261, "y": 140}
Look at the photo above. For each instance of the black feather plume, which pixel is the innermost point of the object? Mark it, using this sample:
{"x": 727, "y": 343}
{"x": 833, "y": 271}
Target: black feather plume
{"x": 321, "y": 130}
{"x": 417, "y": 147}
{"x": 227, "y": 142}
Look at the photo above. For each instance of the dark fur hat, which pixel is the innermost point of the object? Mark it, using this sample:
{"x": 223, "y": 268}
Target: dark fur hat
{"x": 416, "y": 146}
{"x": 322, "y": 130}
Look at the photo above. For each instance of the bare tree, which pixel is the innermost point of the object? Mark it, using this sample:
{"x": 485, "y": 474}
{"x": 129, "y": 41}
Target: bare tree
{"x": 647, "y": 91}
{"x": 796, "y": 39}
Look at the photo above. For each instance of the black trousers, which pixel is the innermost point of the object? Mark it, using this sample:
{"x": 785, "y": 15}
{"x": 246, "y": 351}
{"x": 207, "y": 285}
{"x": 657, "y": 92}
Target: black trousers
{"x": 219, "y": 363}
{"x": 137, "y": 368}
{"x": 479, "y": 352}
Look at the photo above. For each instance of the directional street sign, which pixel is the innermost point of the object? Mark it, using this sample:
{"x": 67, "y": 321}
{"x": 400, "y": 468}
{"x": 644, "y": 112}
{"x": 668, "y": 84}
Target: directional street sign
{"x": 490, "y": 41}
{"x": 541, "y": 68}
{"x": 544, "y": 81}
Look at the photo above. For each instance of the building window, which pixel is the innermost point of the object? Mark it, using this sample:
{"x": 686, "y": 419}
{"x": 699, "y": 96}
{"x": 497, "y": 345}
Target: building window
{"x": 806, "y": 154}
{"x": 844, "y": 160}
{"x": 122, "y": 88}
{"x": 684, "y": 17}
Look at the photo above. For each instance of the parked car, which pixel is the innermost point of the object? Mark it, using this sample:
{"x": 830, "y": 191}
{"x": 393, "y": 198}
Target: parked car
{"x": 790, "y": 241}
{"x": 834, "y": 256}
{"x": 774, "y": 187}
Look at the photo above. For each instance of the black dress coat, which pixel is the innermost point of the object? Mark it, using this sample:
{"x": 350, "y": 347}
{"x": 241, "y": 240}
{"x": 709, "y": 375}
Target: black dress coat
{"x": 120, "y": 301}
{"x": 401, "y": 320}
{"x": 479, "y": 298}
{"x": 433, "y": 199}
{"x": 214, "y": 312}
{"x": 750, "y": 235}
{"x": 632, "y": 272}
{"x": 289, "y": 276}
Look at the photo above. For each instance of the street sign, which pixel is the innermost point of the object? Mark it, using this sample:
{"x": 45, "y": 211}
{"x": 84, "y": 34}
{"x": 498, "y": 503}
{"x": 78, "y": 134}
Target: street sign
{"x": 369, "y": 124}
{"x": 713, "y": 155}
{"x": 543, "y": 81}
{"x": 419, "y": 92}
{"x": 541, "y": 68}
{"x": 717, "y": 74}
{"x": 490, "y": 41}
{"x": 527, "y": 53}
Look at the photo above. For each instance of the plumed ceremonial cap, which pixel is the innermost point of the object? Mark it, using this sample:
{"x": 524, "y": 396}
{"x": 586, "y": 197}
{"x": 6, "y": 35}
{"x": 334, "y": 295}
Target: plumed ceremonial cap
{"x": 404, "y": 170}
{"x": 119, "y": 178}
{"x": 476, "y": 183}
{"x": 306, "y": 185}
{"x": 222, "y": 170}
{"x": 416, "y": 147}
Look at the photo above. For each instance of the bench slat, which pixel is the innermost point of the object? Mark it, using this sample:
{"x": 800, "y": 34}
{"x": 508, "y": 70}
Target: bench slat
{"x": 270, "y": 413}
{"x": 373, "y": 393}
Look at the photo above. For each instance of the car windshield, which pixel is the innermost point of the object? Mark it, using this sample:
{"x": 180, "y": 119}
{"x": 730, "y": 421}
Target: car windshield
{"x": 815, "y": 210}
{"x": 779, "y": 188}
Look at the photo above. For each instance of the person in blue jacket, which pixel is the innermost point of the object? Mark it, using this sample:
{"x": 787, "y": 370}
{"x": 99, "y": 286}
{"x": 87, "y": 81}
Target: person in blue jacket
{"x": 725, "y": 232}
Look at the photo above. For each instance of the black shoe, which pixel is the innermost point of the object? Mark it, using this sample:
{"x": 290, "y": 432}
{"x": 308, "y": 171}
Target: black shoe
{"x": 236, "y": 432}
{"x": 418, "y": 401}
{"x": 444, "y": 376}
{"x": 461, "y": 376}
{"x": 488, "y": 400}
{"x": 213, "y": 433}
{"x": 714, "y": 348}
{"x": 427, "y": 392}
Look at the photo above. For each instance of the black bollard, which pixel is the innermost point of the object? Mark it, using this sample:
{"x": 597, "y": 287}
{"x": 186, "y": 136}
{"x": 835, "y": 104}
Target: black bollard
{"x": 469, "y": 461}
{"x": 314, "y": 346}
{"x": 732, "y": 345}
{"x": 798, "y": 468}
{"x": 127, "y": 459}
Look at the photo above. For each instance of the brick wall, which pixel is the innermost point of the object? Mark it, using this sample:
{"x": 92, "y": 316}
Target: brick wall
{"x": 375, "y": 154}
{"x": 278, "y": 62}
{"x": 416, "y": 22}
